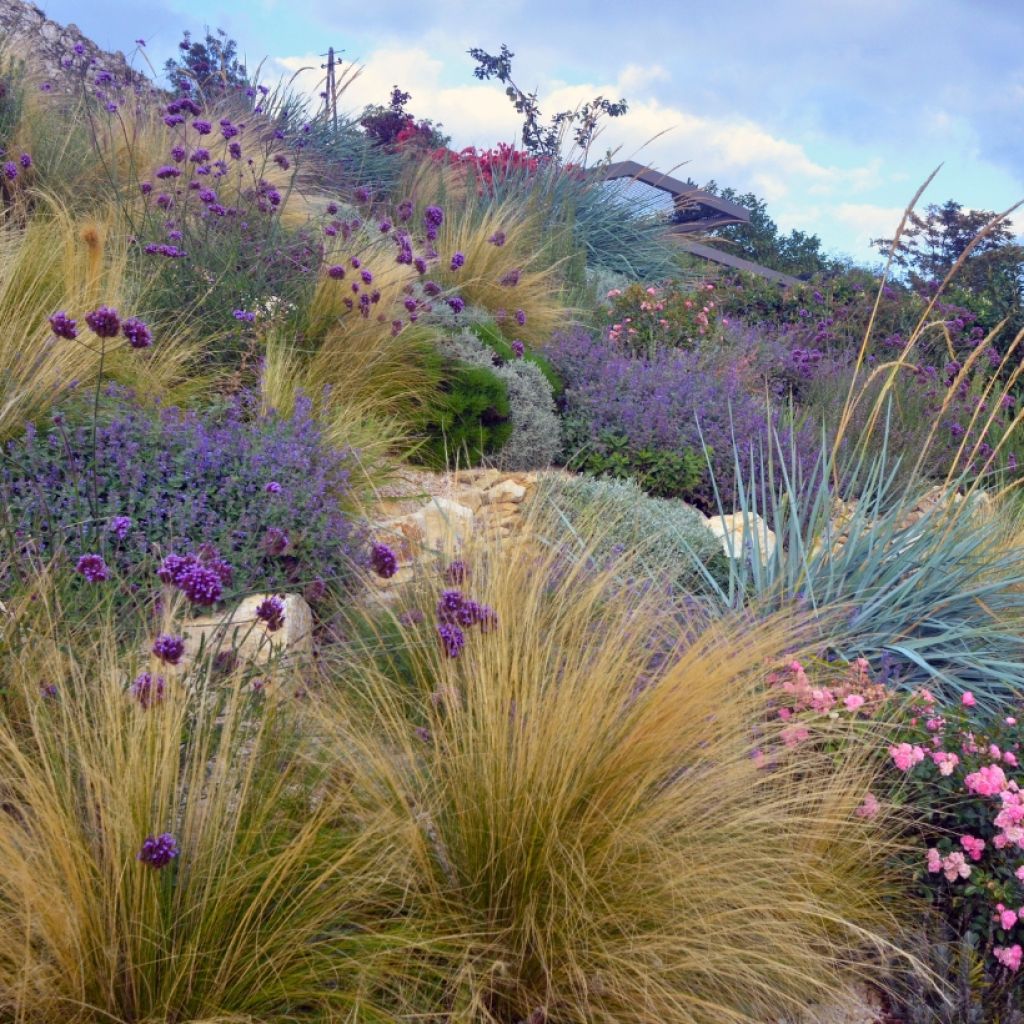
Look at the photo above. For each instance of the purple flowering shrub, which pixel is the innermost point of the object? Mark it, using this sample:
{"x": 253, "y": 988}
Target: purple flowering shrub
{"x": 175, "y": 482}
{"x": 666, "y": 416}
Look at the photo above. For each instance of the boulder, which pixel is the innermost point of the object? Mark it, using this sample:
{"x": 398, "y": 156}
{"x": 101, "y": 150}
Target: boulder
{"x": 731, "y": 529}
{"x": 505, "y": 491}
{"x": 442, "y": 523}
{"x": 240, "y": 631}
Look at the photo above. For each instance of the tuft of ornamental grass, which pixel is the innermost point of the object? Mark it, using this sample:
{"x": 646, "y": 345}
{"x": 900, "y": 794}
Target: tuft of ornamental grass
{"x": 518, "y": 275}
{"x": 580, "y": 813}
{"x": 57, "y": 261}
{"x": 284, "y": 900}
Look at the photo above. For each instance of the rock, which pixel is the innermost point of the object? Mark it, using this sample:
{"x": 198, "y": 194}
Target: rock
{"x": 443, "y": 523}
{"x": 471, "y": 497}
{"x": 239, "y": 630}
{"x": 730, "y": 531}
{"x": 506, "y": 490}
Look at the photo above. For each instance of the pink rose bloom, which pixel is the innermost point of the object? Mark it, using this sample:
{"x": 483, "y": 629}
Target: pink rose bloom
{"x": 955, "y": 866}
{"x": 905, "y": 756}
{"x": 1010, "y": 720}
{"x": 934, "y": 861}
{"x": 794, "y": 734}
{"x": 1020, "y": 873}
{"x": 1009, "y": 957}
{"x": 973, "y": 846}
{"x": 854, "y": 701}
{"x": 1006, "y": 918}
{"x": 986, "y": 781}
{"x": 934, "y": 724}
{"x": 968, "y": 700}
{"x": 1010, "y": 758}
{"x": 945, "y": 761}
{"x": 870, "y": 808}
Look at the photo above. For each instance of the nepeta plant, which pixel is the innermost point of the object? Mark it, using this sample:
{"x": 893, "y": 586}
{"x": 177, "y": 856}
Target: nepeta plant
{"x": 173, "y": 482}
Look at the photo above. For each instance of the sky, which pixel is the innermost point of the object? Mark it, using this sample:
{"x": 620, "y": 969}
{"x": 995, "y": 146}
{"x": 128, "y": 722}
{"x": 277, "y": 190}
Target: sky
{"x": 833, "y": 111}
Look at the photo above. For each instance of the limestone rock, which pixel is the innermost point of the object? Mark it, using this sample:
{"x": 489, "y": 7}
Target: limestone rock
{"x": 730, "y": 531}
{"x": 239, "y": 630}
{"x": 506, "y": 490}
{"x": 442, "y": 523}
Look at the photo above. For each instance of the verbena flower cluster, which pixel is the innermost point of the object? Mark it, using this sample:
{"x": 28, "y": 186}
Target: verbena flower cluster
{"x": 189, "y": 485}
{"x": 455, "y": 613}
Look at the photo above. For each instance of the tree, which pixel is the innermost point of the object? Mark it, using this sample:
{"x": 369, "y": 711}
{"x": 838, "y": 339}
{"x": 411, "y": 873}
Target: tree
{"x": 393, "y": 125}
{"x": 539, "y": 139}
{"x": 211, "y": 65}
{"x": 991, "y": 280}
{"x": 760, "y": 240}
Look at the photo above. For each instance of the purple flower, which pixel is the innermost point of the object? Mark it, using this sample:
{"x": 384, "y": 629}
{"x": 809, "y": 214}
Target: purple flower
{"x": 200, "y": 584}
{"x": 498, "y": 238}
{"x": 244, "y": 314}
{"x": 235, "y": 150}
{"x": 420, "y": 264}
{"x": 332, "y": 209}
{"x": 404, "y": 211}
{"x": 227, "y": 129}
{"x": 120, "y": 526}
{"x": 282, "y": 161}
{"x": 178, "y": 153}
{"x": 383, "y": 560}
{"x": 11, "y": 170}
{"x": 457, "y": 304}
{"x": 433, "y": 217}
{"x": 275, "y": 542}
{"x": 146, "y": 187}
{"x": 200, "y": 155}
{"x": 147, "y": 690}
{"x": 25, "y": 160}
{"x": 384, "y": 226}
{"x": 273, "y": 487}
{"x": 104, "y": 322}
{"x": 63, "y": 326}
{"x": 271, "y": 612}
{"x": 457, "y": 572}
{"x": 93, "y": 568}
{"x": 452, "y": 639}
{"x": 362, "y": 194}
{"x": 203, "y": 127}
{"x": 208, "y": 195}
{"x": 511, "y": 278}
{"x": 518, "y": 348}
{"x": 449, "y": 605}
{"x": 337, "y": 271}
{"x": 169, "y": 649}
{"x": 167, "y": 171}
{"x": 137, "y": 333}
{"x": 431, "y": 288}
{"x": 158, "y": 851}
{"x": 367, "y": 277}
{"x": 520, "y": 318}
{"x": 458, "y": 260}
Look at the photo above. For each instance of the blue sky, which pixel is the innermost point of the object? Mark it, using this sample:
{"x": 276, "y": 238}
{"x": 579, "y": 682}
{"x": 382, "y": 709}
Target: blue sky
{"x": 833, "y": 110}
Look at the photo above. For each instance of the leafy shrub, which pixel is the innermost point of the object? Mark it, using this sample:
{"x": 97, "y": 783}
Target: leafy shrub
{"x": 492, "y": 337}
{"x": 660, "y": 418}
{"x": 536, "y": 436}
{"x": 645, "y": 320}
{"x": 471, "y": 419}
{"x": 662, "y": 538}
{"x": 261, "y": 489}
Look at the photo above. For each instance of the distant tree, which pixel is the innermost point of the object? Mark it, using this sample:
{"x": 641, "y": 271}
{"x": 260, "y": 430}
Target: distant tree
{"x": 991, "y": 281}
{"x": 210, "y": 65}
{"x": 393, "y": 125}
{"x": 761, "y": 241}
{"x": 539, "y": 139}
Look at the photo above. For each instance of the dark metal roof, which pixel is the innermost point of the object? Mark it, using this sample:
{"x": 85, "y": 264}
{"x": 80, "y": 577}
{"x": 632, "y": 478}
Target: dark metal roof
{"x": 706, "y": 212}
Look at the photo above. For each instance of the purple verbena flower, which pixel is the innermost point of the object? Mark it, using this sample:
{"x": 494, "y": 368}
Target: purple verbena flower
{"x": 518, "y": 349}
{"x": 120, "y": 526}
{"x": 457, "y": 304}
{"x": 10, "y": 170}
{"x": 63, "y": 326}
{"x": 498, "y": 238}
{"x": 104, "y": 322}
{"x": 458, "y": 261}
{"x": 275, "y": 542}
{"x": 25, "y": 160}
{"x": 93, "y": 568}
{"x": 457, "y": 572}
{"x": 270, "y": 611}
{"x": 244, "y": 314}
{"x": 169, "y": 649}
{"x": 147, "y": 690}
{"x": 158, "y": 851}
{"x": 452, "y": 639}
{"x": 203, "y": 127}
{"x": 200, "y": 584}
{"x": 520, "y": 318}
{"x": 138, "y": 334}
{"x": 383, "y": 560}
{"x": 273, "y": 487}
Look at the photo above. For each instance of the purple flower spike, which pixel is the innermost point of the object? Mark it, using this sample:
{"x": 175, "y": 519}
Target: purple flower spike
{"x": 458, "y": 261}
{"x": 158, "y": 851}
{"x": 147, "y": 690}
{"x": 273, "y": 487}
{"x": 93, "y": 568}
{"x": 452, "y": 638}
{"x": 457, "y": 573}
{"x": 169, "y": 649}
{"x": 137, "y": 333}
{"x": 271, "y": 612}
{"x": 63, "y": 326}
{"x": 104, "y": 322}
{"x": 120, "y": 526}
{"x": 384, "y": 561}
{"x": 201, "y": 584}
{"x": 518, "y": 348}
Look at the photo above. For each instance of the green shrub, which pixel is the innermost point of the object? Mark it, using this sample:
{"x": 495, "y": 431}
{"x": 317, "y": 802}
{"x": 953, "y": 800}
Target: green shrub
{"x": 536, "y": 437}
{"x": 664, "y": 537}
{"x": 492, "y": 337}
{"x": 471, "y": 420}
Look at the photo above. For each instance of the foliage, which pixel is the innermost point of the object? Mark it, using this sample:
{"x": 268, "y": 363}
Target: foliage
{"x": 282, "y": 901}
{"x": 539, "y": 139}
{"x": 645, "y": 320}
{"x": 491, "y": 336}
{"x": 991, "y": 280}
{"x": 574, "y": 797}
{"x": 664, "y": 418}
{"x": 761, "y": 241}
{"x": 535, "y": 440}
{"x": 210, "y": 66}
{"x": 620, "y": 525}
{"x": 471, "y": 420}
{"x": 260, "y": 489}
{"x": 394, "y": 127}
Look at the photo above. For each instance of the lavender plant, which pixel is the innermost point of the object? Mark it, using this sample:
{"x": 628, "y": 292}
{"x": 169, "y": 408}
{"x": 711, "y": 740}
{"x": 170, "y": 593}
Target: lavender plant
{"x": 262, "y": 491}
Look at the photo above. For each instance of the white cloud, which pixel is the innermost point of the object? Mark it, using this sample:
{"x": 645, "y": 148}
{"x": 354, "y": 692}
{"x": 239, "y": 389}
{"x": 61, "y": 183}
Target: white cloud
{"x": 868, "y": 220}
